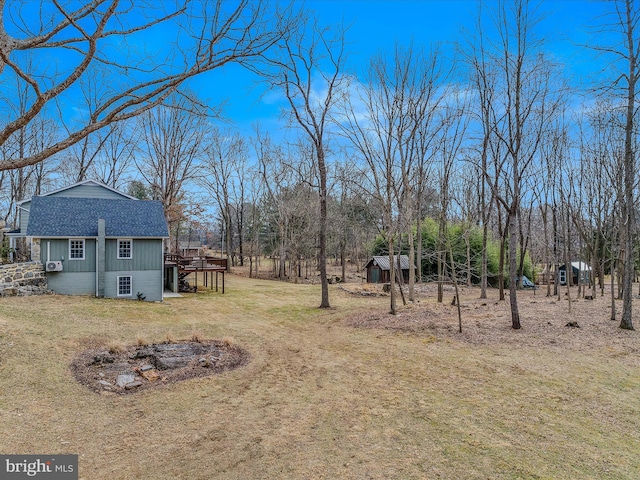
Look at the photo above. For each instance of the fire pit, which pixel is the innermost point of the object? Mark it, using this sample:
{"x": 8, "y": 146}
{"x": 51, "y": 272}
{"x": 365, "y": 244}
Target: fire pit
{"x": 141, "y": 367}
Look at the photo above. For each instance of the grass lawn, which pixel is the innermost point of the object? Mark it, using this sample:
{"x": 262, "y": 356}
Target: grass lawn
{"x": 320, "y": 399}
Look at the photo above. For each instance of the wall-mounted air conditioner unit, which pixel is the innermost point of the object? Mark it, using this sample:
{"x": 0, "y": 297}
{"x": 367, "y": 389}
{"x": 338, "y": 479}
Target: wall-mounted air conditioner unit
{"x": 53, "y": 266}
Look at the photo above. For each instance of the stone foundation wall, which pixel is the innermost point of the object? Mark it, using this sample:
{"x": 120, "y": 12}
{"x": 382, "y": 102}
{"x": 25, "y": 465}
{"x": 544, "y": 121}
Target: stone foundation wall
{"x": 23, "y": 279}
{"x": 35, "y": 249}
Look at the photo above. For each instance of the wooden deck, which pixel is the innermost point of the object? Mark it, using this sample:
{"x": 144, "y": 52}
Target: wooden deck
{"x": 192, "y": 266}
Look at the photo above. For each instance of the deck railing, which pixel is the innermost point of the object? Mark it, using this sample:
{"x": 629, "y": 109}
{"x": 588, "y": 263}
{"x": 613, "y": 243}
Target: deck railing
{"x": 195, "y": 262}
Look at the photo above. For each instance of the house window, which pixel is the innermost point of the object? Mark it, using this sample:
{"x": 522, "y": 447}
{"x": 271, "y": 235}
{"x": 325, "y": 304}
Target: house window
{"x": 76, "y": 249}
{"x": 125, "y": 249}
{"x": 124, "y": 286}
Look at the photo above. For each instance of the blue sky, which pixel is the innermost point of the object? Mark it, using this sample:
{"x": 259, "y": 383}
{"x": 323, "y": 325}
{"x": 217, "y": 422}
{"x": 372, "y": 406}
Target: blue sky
{"x": 377, "y": 25}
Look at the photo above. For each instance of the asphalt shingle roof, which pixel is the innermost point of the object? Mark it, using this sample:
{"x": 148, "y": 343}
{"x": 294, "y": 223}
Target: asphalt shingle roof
{"x": 78, "y": 217}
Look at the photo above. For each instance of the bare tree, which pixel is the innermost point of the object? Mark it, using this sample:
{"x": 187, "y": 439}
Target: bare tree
{"x": 432, "y": 130}
{"x": 105, "y": 154}
{"x": 25, "y": 181}
{"x": 225, "y": 159}
{"x": 391, "y": 124}
{"x": 545, "y": 194}
{"x": 629, "y": 16}
{"x": 172, "y": 145}
{"x": 277, "y": 176}
{"x": 424, "y": 192}
{"x": 240, "y": 192}
{"x": 625, "y": 52}
{"x": 198, "y": 37}
{"x": 600, "y": 183}
{"x": 449, "y": 140}
{"x": 527, "y": 105}
{"x": 466, "y": 192}
{"x": 79, "y": 158}
{"x": 113, "y": 164}
{"x": 253, "y": 220}
{"x": 482, "y": 74}
{"x": 309, "y": 72}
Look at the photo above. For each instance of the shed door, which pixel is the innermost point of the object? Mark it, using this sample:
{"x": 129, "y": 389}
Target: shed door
{"x": 375, "y": 275}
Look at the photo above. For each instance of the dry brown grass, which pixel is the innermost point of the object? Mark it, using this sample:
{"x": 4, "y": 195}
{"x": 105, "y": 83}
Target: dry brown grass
{"x": 197, "y": 336}
{"x": 116, "y": 346}
{"x": 323, "y": 399}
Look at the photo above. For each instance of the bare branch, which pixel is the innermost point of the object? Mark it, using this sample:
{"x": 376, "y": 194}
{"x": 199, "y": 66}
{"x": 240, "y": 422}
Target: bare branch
{"x": 205, "y": 36}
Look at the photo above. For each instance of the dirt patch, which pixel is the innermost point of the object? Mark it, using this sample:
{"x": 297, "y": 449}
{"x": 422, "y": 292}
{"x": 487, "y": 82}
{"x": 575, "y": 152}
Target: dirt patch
{"x": 136, "y": 368}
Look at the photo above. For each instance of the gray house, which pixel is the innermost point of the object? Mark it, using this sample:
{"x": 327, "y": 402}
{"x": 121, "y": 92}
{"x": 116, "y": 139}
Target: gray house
{"x": 94, "y": 240}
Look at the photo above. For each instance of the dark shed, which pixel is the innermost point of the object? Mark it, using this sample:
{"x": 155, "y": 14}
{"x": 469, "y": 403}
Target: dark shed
{"x": 580, "y": 271}
{"x": 378, "y": 268}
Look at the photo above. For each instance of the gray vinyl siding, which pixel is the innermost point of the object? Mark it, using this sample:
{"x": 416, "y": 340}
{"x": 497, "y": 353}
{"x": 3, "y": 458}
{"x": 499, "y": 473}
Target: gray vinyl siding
{"x": 146, "y": 255}
{"x": 79, "y": 276}
{"x": 60, "y": 251}
{"x": 148, "y": 283}
{"x": 88, "y": 191}
{"x": 72, "y": 283}
{"x": 23, "y": 216}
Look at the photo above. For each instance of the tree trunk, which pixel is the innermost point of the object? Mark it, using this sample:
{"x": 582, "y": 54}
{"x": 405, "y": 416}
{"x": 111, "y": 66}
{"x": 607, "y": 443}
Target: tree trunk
{"x": 483, "y": 280}
{"x": 629, "y": 177}
{"x": 567, "y": 264}
{"x": 556, "y": 290}
{"x": 503, "y": 243}
{"x": 485, "y": 206}
{"x": 229, "y": 240}
{"x": 343, "y": 260}
{"x": 613, "y": 276}
{"x": 392, "y": 277}
{"x": 455, "y": 286}
{"x": 513, "y": 268}
{"x": 283, "y": 253}
{"x": 419, "y": 247}
{"x": 441, "y": 257}
{"x": 400, "y": 277}
{"x": 468, "y": 243}
{"x": 545, "y": 228}
{"x": 322, "y": 236}
{"x": 412, "y": 272}
{"x": 240, "y": 230}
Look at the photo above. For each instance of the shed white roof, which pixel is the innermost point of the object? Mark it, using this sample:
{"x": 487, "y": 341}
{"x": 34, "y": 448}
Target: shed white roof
{"x": 583, "y": 267}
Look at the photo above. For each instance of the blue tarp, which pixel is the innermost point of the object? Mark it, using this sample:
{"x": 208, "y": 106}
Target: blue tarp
{"x": 526, "y": 283}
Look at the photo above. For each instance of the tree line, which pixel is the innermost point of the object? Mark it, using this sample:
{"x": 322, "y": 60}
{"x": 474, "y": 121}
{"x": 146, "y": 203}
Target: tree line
{"x": 476, "y": 161}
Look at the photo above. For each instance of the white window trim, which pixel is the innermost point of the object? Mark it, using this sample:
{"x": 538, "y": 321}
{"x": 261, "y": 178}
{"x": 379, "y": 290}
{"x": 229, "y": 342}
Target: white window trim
{"x": 118, "y": 294}
{"x": 118, "y": 248}
{"x": 84, "y": 248}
